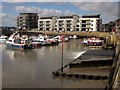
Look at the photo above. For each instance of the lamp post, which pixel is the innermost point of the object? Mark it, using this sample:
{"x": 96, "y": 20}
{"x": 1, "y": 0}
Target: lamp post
{"x": 62, "y": 37}
{"x": 28, "y": 26}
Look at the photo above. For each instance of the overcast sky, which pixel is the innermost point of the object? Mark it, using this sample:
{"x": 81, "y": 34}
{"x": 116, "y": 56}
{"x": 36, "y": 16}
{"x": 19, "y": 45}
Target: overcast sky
{"x": 11, "y": 8}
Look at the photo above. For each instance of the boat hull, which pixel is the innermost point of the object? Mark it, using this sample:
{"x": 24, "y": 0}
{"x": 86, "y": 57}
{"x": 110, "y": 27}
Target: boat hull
{"x": 94, "y": 43}
{"x": 16, "y": 46}
{"x": 2, "y": 41}
{"x": 36, "y": 44}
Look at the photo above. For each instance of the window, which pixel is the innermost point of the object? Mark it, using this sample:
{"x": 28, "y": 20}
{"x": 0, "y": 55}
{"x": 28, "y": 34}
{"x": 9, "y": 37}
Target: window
{"x": 60, "y": 28}
{"x": 68, "y": 25}
{"x": 68, "y": 21}
{"x": 83, "y": 21}
{"x": 68, "y": 29}
{"x": 83, "y": 25}
{"x": 47, "y": 29}
{"x": 83, "y": 29}
{"x": 77, "y": 29}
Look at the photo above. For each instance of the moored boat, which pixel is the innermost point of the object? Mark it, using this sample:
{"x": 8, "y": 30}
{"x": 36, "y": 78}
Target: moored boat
{"x": 16, "y": 42}
{"x": 43, "y": 41}
{"x": 85, "y": 41}
{"x": 60, "y": 38}
{"x": 93, "y": 41}
{"x": 3, "y": 39}
{"x": 39, "y": 41}
{"x": 52, "y": 41}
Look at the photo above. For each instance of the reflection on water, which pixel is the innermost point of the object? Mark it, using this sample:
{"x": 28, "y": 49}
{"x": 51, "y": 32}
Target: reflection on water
{"x": 21, "y": 54}
{"x": 33, "y": 68}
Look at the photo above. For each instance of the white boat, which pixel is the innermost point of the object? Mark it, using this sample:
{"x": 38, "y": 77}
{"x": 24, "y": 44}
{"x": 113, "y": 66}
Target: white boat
{"x": 43, "y": 40}
{"x": 73, "y": 37}
{"x": 16, "y": 42}
{"x": 3, "y": 38}
{"x": 94, "y": 42}
{"x": 39, "y": 41}
{"x": 52, "y": 40}
{"x": 60, "y": 38}
{"x": 85, "y": 41}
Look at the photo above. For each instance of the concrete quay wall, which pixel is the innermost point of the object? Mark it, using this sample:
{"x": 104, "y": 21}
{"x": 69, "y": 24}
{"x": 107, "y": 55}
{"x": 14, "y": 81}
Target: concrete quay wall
{"x": 111, "y": 38}
{"x": 85, "y": 67}
{"x": 78, "y": 33}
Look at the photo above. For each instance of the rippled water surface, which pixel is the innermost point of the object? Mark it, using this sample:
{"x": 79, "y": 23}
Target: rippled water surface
{"x": 33, "y": 68}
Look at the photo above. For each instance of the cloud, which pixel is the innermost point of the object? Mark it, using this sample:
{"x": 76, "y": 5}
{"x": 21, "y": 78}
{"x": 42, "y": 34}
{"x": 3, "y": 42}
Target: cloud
{"x": 16, "y": 0}
{"x": 42, "y": 12}
{"x": 97, "y": 6}
{"x": 10, "y": 20}
{"x": 1, "y": 6}
{"x": 106, "y": 9}
{"x": 26, "y": 9}
{"x": 60, "y": 1}
{"x": 7, "y": 20}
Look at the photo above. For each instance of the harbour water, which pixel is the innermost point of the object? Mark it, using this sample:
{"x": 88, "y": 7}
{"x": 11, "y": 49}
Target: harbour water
{"x": 33, "y": 68}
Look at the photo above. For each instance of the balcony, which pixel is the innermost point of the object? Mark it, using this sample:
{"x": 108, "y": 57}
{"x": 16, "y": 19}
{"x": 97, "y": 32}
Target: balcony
{"x": 87, "y": 23}
{"x": 47, "y": 24}
{"x": 60, "y": 26}
{"x": 86, "y": 27}
{"x": 68, "y": 25}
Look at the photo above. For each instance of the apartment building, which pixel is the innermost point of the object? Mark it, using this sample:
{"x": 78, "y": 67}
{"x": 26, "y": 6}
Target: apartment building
{"x": 70, "y": 23}
{"x": 58, "y": 23}
{"x": 67, "y": 23}
{"x": 90, "y": 23}
{"x": 27, "y": 21}
{"x": 47, "y": 23}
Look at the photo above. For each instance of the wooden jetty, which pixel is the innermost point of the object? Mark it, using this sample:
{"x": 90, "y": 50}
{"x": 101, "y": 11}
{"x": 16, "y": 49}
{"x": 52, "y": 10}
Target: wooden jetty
{"x": 93, "y": 64}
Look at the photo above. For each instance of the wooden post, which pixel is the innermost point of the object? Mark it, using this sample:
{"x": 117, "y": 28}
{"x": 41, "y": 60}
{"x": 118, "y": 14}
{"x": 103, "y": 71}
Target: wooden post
{"x": 62, "y": 53}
